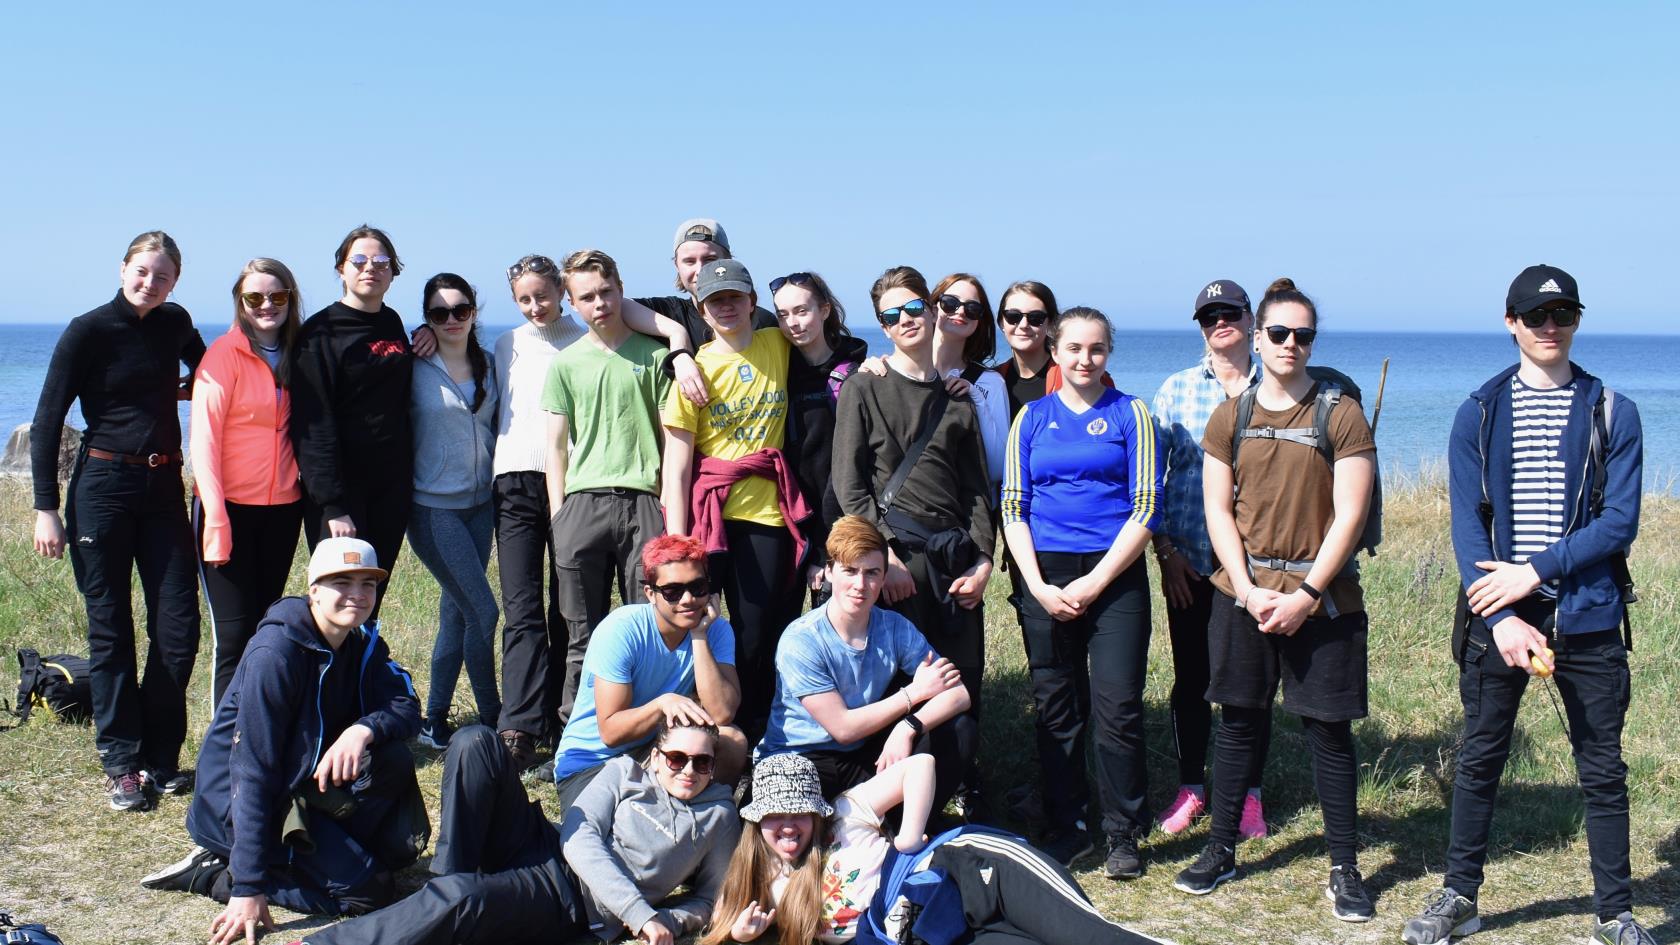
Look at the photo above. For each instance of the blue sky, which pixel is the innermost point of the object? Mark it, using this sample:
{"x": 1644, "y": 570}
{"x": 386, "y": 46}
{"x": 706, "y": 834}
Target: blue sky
{"x": 1400, "y": 161}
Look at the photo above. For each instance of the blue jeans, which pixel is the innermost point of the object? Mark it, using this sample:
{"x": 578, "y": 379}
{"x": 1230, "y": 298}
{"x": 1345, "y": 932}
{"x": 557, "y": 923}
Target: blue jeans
{"x": 454, "y": 544}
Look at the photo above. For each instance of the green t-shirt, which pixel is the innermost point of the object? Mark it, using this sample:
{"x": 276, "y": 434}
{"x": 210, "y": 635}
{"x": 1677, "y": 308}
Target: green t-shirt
{"x": 611, "y": 403}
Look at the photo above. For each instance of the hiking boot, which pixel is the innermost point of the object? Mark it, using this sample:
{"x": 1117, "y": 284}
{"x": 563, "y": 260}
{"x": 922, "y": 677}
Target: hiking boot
{"x": 1216, "y": 864}
{"x": 1066, "y": 844}
{"x": 182, "y": 875}
{"x": 521, "y": 747}
{"x": 970, "y": 805}
{"x": 436, "y": 733}
{"x": 1252, "y": 826}
{"x": 1348, "y": 899}
{"x": 173, "y": 783}
{"x": 1185, "y": 808}
{"x": 1622, "y": 930}
{"x": 1123, "y": 861}
{"x": 1446, "y": 915}
{"x": 128, "y": 792}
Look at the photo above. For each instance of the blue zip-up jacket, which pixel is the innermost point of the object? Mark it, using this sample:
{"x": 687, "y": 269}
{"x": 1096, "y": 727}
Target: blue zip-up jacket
{"x": 266, "y": 738}
{"x": 1479, "y": 469}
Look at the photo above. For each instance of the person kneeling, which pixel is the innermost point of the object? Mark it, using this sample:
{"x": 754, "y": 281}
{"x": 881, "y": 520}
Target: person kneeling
{"x": 307, "y": 797}
{"x": 837, "y": 667}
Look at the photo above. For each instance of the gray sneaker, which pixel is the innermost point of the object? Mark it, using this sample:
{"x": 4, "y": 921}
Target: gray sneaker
{"x": 1446, "y": 915}
{"x": 1622, "y": 930}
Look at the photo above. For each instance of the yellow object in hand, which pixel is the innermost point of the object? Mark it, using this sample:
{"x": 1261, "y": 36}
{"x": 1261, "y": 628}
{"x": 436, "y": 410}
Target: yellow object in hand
{"x": 1541, "y": 667}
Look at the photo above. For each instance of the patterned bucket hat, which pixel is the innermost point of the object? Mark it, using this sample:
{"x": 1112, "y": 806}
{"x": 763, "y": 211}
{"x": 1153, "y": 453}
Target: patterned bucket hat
{"x": 786, "y": 784}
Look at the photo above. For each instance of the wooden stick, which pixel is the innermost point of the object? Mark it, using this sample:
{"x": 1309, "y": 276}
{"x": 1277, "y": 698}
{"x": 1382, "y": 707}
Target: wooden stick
{"x": 1376, "y": 412}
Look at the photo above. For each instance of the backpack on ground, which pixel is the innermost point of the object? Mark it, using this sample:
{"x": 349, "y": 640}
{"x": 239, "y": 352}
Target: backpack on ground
{"x": 58, "y": 684}
{"x": 13, "y": 932}
{"x": 1332, "y": 386}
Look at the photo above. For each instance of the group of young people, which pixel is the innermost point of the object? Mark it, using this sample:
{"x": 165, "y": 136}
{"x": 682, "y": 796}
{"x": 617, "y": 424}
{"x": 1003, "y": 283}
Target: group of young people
{"x": 701, "y": 454}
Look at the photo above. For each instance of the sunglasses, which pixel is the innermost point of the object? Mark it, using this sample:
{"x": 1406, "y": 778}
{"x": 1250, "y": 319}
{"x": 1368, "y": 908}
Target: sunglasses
{"x": 1222, "y": 313}
{"x": 1279, "y": 333}
{"x": 1561, "y": 317}
{"x": 915, "y": 308}
{"x": 950, "y": 305}
{"x": 438, "y": 314}
{"x": 1013, "y": 316}
{"x": 533, "y": 263}
{"x": 697, "y": 588}
{"x": 255, "y": 299}
{"x": 379, "y": 263}
{"x": 678, "y": 760}
{"x": 801, "y": 279}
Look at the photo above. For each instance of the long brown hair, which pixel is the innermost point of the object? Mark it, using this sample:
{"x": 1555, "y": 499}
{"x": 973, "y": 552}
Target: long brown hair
{"x": 981, "y": 346}
{"x": 294, "y": 312}
{"x": 753, "y": 868}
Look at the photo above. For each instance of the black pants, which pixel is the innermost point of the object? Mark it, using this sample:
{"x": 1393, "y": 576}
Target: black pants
{"x": 951, "y": 745}
{"x": 1192, "y": 716}
{"x": 1091, "y": 669}
{"x": 1012, "y": 893}
{"x": 121, "y": 518}
{"x": 959, "y": 637}
{"x": 756, "y": 576}
{"x": 532, "y": 627}
{"x": 500, "y": 878}
{"x": 1593, "y": 680}
{"x": 380, "y": 514}
{"x": 265, "y": 540}
{"x": 1335, "y": 777}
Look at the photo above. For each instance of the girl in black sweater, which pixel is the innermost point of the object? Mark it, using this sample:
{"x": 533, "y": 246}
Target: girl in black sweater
{"x": 350, "y": 398}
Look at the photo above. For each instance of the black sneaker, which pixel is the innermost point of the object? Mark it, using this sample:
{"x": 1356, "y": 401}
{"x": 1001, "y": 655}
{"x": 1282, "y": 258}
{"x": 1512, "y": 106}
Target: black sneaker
{"x": 1622, "y": 930}
{"x": 182, "y": 875}
{"x": 1067, "y": 844}
{"x": 970, "y": 805}
{"x": 1446, "y": 915}
{"x": 1123, "y": 861}
{"x": 128, "y": 792}
{"x": 436, "y": 733}
{"x": 521, "y": 747}
{"x": 1348, "y": 899}
{"x": 173, "y": 783}
{"x": 1217, "y": 864}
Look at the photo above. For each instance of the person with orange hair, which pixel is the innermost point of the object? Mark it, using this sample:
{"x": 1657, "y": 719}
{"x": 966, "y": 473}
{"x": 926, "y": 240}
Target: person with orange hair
{"x": 670, "y": 660}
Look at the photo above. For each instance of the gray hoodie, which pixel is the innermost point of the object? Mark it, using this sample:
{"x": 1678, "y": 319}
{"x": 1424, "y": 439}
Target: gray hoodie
{"x": 631, "y": 844}
{"x": 453, "y": 444}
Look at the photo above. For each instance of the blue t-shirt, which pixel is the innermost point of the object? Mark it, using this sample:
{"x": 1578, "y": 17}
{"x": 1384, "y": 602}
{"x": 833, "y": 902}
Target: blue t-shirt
{"x": 811, "y": 658}
{"x": 1077, "y": 478}
{"x": 627, "y": 648}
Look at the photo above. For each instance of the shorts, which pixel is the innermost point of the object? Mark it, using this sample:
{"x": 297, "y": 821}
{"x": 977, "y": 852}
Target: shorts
{"x": 1322, "y": 666}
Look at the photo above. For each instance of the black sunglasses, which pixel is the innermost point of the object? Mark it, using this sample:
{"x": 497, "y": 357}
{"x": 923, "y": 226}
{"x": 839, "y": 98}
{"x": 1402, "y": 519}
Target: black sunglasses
{"x": 950, "y": 305}
{"x": 801, "y": 279}
{"x": 1561, "y": 317}
{"x": 1220, "y": 313}
{"x": 1013, "y": 316}
{"x": 534, "y": 263}
{"x": 1279, "y": 333}
{"x": 438, "y": 314}
{"x": 698, "y": 588}
{"x": 915, "y": 308}
{"x": 678, "y": 760}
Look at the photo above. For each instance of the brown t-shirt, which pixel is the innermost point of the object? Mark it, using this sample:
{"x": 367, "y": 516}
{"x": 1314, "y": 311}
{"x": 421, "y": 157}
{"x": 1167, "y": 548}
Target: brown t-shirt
{"x": 1284, "y": 504}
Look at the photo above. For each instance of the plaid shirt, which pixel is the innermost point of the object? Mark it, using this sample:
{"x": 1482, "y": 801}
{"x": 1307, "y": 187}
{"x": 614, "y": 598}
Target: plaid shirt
{"x": 1181, "y": 410}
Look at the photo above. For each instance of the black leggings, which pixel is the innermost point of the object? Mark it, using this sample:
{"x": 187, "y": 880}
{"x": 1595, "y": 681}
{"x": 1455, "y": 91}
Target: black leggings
{"x": 265, "y": 539}
{"x": 1192, "y": 716}
{"x": 1335, "y": 776}
{"x": 756, "y": 577}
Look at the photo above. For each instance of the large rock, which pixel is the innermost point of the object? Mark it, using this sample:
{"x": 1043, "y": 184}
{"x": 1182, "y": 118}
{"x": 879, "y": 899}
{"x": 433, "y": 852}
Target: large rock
{"x": 16, "y": 460}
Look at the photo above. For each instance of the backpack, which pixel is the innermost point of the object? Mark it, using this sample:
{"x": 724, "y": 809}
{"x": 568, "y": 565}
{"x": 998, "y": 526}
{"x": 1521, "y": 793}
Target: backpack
{"x": 14, "y": 933}
{"x": 56, "y": 683}
{"x": 1333, "y": 385}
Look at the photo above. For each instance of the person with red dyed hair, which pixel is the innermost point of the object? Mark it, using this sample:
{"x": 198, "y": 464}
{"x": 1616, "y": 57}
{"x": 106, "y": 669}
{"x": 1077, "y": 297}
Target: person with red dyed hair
{"x": 670, "y": 660}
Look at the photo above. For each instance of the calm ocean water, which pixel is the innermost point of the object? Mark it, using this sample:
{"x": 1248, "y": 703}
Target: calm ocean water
{"x": 1428, "y": 377}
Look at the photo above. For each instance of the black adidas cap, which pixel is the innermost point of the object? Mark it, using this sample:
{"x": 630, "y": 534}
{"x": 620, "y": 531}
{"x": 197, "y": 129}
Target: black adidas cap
{"x": 1538, "y": 285}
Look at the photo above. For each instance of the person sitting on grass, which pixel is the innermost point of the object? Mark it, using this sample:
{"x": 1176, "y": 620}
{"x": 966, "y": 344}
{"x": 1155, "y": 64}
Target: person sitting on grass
{"x": 307, "y": 797}
{"x": 668, "y": 661}
{"x": 839, "y": 699}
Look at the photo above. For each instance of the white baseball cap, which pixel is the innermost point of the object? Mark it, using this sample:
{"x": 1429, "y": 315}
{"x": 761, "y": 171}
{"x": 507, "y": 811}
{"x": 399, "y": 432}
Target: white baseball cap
{"x": 344, "y": 556}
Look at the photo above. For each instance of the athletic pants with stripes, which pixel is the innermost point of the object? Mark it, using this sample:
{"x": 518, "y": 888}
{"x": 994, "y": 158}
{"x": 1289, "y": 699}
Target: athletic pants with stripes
{"x": 265, "y": 540}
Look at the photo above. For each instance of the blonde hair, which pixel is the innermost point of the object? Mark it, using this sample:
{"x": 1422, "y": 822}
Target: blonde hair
{"x": 155, "y": 241}
{"x": 590, "y": 260}
{"x": 851, "y": 538}
{"x": 753, "y": 868}
{"x": 294, "y": 308}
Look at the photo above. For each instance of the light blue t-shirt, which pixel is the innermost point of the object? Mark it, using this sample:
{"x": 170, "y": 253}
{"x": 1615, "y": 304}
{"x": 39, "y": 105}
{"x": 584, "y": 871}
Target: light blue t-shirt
{"x": 627, "y": 648}
{"x": 812, "y": 658}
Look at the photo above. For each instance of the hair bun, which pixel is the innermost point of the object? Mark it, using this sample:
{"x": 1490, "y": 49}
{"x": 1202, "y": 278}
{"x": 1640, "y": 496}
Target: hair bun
{"x": 1284, "y": 284}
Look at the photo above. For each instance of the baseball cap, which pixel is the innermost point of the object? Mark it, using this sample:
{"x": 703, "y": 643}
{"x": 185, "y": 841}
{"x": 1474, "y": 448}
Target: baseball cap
{"x": 1537, "y": 285}
{"x": 1220, "y": 292}
{"x": 723, "y": 275}
{"x": 344, "y": 556}
{"x": 700, "y": 228}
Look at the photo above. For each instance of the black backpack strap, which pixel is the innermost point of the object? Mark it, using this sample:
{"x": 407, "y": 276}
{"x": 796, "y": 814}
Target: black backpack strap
{"x": 1326, "y": 400}
{"x": 931, "y": 416}
{"x": 29, "y": 675}
{"x": 1599, "y": 450}
{"x": 972, "y": 373}
{"x": 1245, "y": 414}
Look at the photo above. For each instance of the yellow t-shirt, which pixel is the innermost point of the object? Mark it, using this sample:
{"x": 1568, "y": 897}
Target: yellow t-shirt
{"x": 748, "y": 412}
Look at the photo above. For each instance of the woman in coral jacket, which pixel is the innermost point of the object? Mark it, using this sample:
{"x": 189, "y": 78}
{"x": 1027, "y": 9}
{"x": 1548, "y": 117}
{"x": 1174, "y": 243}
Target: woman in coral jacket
{"x": 248, "y": 506}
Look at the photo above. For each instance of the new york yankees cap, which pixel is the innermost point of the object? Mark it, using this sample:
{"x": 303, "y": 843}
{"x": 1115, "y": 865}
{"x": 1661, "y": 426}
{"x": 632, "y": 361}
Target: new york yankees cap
{"x": 1538, "y": 285}
{"x": 724, "y": 275}
{"x": 1220, "y": 292}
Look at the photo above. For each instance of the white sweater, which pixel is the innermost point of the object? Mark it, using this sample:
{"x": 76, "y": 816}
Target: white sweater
{"x": 523, "y": 358}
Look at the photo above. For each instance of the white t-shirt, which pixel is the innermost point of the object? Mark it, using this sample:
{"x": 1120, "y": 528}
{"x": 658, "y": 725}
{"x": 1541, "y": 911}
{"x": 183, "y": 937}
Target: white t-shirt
{"x": 851, "y": 868}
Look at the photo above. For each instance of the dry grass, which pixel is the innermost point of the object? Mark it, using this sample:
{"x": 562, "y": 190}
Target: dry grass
{"x": 73, "y": 864}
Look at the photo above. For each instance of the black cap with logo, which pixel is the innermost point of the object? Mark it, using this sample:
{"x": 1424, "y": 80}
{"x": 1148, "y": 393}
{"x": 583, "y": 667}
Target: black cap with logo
{"x": 1539, "y": 285}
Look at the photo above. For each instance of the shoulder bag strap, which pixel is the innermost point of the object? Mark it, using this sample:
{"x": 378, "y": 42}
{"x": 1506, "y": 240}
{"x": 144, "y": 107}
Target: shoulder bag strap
{"x": 931, "y": 416}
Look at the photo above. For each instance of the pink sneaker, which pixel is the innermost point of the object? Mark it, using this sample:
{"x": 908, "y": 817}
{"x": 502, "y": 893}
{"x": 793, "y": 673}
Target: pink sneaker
{"x": 1184, "y": 809}
{"x": 1253, "y": 823}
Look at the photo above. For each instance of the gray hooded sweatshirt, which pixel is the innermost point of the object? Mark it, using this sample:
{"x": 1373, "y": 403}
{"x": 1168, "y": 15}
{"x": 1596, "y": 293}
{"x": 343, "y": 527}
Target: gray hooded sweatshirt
{"x": 453, "y": 444}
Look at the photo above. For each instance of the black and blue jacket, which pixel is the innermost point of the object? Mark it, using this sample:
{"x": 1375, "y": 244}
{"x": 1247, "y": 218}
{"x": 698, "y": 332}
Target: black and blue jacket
{"x": 1480, "y": 472}
{"x": 267, "y": 737}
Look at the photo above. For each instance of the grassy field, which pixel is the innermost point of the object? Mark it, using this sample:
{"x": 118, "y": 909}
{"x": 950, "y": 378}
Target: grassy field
{"x": 68, "y": 861}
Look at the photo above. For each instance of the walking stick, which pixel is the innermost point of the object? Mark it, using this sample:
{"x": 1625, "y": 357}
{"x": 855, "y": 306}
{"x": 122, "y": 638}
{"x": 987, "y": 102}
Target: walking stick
{"x": 1376, "y": 412}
